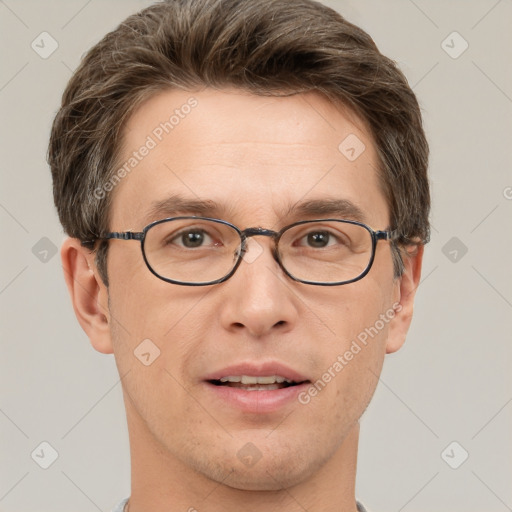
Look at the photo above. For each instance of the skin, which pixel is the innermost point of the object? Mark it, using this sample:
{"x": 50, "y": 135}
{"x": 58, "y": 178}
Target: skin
{"x": 256, "y": 156}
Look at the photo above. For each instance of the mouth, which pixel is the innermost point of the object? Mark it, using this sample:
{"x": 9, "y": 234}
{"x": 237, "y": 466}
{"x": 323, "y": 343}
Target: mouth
{"x": 256, "y": 383}
{"x": 255, "y": 387}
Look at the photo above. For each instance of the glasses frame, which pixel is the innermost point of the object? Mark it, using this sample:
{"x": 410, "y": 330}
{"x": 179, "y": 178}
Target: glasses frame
{"x": 244, "y": 235}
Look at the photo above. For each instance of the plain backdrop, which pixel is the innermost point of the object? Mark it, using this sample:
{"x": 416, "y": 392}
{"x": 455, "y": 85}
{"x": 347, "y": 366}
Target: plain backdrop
{"x": 446, "y": 395}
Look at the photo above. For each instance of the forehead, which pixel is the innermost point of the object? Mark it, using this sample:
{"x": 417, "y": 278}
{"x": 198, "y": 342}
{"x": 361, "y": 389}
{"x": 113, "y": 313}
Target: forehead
{"x": 256, "y": 158}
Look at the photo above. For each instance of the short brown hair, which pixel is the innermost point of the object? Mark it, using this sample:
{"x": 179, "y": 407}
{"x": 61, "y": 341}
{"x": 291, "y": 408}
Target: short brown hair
{"x": 266, "y": 47}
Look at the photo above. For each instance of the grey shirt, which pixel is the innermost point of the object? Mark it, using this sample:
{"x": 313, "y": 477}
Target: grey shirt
{"x": 120, "y": 506}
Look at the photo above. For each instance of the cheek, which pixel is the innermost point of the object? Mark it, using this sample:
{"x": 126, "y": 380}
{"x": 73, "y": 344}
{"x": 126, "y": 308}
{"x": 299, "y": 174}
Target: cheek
{"x": 356, "y": 307}
{"x": 353, "y": 356}
{"x": 154, "y": 353}
{"x": 169, "y": 322}
{"x": 351, "y": 366}
{"x": 144, "y": 305}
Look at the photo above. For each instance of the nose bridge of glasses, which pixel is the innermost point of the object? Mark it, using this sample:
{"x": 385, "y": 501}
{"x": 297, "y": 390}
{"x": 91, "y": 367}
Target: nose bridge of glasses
{"x": 250, "y": 256}
{"x": 249, "y": 232}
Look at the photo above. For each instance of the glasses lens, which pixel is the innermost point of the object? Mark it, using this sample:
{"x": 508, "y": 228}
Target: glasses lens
{"x": 326, "y": 251}
{"x": 192, "y": 250}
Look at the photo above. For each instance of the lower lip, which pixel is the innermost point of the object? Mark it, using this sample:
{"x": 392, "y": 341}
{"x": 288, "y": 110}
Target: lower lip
{"x": 257, "y": 401}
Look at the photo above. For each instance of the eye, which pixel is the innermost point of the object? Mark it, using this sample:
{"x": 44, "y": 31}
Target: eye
{"x": 319, "y": 239}
{"x": 192, "y": 238}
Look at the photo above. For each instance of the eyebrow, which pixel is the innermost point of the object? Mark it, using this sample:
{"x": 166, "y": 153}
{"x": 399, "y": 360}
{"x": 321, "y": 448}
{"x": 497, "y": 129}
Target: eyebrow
{"x": 342, "y": 208}
{"x": 177, "y": 205}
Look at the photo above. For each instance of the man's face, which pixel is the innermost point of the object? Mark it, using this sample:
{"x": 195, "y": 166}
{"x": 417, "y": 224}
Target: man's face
{"x": 256, "y": 158}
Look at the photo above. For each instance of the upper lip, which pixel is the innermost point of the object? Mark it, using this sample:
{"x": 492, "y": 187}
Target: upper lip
{"x": 254, "y": 369}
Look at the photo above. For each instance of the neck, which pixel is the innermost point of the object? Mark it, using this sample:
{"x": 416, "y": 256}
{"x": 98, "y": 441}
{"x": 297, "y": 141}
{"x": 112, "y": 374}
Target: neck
{"x": 162, "y": 483}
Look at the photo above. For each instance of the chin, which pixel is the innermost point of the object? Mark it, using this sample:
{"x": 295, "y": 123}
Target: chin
{"x": 274, "y": 471}
{"x": 279, "y": 476}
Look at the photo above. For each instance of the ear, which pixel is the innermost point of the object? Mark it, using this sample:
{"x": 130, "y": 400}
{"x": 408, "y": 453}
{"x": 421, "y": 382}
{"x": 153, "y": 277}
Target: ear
{"x": 406, "y": 290}
{"x": 88, "y": 293}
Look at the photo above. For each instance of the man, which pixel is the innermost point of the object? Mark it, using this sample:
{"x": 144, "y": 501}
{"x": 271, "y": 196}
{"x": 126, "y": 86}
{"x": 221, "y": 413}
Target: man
{"x": 244, "y": 187}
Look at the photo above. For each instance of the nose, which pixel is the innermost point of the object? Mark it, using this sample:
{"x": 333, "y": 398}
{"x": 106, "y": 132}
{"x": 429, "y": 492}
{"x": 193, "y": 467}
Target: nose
{"x": 259, "y": 297}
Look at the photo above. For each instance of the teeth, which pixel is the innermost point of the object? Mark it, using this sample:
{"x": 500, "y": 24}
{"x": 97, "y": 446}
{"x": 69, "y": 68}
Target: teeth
{"x": 266, "y": 387}
{"x": 231, "y": 379}
{"x": 246, "y": 379}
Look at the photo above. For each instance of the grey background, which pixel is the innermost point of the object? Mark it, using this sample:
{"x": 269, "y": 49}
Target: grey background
{"x": 448, "y": 383}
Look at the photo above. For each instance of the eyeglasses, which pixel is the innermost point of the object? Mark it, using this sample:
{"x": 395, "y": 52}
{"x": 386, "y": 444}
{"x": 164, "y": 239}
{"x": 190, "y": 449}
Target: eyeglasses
{"x": 200, "y": 251}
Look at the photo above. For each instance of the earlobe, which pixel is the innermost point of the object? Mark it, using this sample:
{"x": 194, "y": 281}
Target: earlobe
{"x": 88, "y": 293}
{"x": 407, "y": 285}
